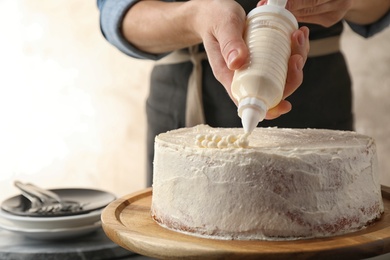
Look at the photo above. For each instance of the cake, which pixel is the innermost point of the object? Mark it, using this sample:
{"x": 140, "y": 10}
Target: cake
{"x": 275, "y": 184}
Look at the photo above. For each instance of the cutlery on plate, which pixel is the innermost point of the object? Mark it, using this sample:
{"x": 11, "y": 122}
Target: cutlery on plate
{"x": 45, "y": 201}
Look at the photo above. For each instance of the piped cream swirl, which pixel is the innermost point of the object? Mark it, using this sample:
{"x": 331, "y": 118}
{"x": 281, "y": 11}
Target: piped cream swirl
{"x": 220, "y": 142}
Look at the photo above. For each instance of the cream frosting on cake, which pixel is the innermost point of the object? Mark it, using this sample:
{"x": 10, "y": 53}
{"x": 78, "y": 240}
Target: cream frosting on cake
{"x": 278, "y": 184}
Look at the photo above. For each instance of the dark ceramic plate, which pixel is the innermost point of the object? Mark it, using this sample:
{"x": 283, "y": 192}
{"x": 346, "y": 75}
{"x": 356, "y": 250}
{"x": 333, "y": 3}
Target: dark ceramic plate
{"x": 89, "y": 199}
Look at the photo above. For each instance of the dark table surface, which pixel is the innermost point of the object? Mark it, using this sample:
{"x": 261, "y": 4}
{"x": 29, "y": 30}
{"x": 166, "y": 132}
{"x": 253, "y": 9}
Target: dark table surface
{"x": 96, "y": 246}
{"x": 93, "y": 246}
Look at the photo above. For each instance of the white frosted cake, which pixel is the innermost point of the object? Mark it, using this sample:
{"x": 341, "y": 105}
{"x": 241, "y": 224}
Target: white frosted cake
{"x": 281, "y": 184}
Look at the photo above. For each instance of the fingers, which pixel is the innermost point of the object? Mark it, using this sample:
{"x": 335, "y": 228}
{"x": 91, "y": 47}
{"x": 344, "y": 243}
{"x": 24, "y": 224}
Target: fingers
{"x": 316, "y": 7}
{"x": 299, "y": 50}
{"x": 295, "y": 5}
{"x": 217, "y": 62}
{"x": 232, "y": 44}
{"x": 300, "y": 42}
{"x": 226, "y": 48}
{"x": 323, "y": 12}
{"x": 262, "y": 2}
{"x": 282, "y": 108}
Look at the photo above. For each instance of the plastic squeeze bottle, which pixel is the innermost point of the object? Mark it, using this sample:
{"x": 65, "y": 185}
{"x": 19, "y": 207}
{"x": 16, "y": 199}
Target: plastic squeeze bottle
{"x": 258, "y": 86}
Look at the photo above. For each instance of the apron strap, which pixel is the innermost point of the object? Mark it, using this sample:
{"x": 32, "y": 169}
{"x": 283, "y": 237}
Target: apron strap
{"x": 194, "y": 108}
{"x": 194, "y": 103}
{"x": 324, "y": 46}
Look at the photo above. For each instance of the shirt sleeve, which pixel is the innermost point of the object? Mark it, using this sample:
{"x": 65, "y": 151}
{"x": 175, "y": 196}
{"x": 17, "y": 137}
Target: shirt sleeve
{"x": 371, "y": 29}
{"x": 112, "y": 13}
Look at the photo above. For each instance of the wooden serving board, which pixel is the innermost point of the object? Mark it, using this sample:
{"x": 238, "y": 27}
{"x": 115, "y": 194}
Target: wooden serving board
{"x": 127, "y": 222}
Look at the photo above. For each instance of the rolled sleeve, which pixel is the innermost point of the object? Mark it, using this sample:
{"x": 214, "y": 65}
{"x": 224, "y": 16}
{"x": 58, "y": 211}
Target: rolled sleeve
{"x": 371, "y": 29}
{"x": 112, "y": 13}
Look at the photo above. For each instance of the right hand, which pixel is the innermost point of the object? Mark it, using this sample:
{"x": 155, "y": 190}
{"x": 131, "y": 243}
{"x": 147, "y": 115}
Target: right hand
{"x": 221, "y": 25}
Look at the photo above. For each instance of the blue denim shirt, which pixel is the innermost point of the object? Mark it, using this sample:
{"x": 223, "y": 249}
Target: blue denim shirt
{"x": 112, "y": 13}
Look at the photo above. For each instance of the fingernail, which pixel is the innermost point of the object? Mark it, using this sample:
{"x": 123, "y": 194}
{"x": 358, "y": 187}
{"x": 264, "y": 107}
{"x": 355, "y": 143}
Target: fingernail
{"x": 232, "y": 56}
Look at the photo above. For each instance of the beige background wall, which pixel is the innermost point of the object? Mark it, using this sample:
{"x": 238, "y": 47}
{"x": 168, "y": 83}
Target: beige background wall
{"x": 72, "y": 106}
{"x": 369, "y": 63}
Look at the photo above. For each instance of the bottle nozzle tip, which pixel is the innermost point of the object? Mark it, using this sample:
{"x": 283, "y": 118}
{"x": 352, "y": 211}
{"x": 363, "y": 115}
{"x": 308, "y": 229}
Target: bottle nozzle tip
{"x": 250, "y": 118}
{"x": 252, "y": 111}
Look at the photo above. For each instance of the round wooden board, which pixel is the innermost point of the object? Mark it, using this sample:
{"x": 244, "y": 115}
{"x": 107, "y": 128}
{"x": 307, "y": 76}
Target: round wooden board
{"x": 128, "y": 223}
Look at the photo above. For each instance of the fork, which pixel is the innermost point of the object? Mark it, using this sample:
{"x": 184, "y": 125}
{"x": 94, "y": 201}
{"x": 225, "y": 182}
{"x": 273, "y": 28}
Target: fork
{"x": 34, "y": 201}
{"x": 47, "y": 193}
{"x": 49, "y": 202}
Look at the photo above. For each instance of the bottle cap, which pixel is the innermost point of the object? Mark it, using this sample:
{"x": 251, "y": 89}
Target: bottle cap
{"x": 252, "y": 111}
{"x": 277, "y": 7}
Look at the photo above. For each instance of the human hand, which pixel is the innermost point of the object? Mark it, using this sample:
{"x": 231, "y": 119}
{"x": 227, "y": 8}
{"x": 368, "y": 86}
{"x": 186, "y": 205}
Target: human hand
{"x": 222, "y": 35}
{"x": 299, "y": 51}
{"x": 323, "y": 12}
{"x": 221, "y": 28}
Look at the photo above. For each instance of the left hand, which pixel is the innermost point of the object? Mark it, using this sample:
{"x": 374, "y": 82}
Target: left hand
{"x": 299, "y": 50}
{"x": 322, "y": 12}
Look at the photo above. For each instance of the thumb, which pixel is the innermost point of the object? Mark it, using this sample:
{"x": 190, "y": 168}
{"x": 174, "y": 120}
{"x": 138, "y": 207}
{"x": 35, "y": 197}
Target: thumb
{"x": 236, "y": 56}
{"x": 232, "y": 45}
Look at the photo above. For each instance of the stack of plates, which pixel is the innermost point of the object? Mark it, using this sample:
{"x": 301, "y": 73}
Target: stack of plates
{"x": 34, "y": 225}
